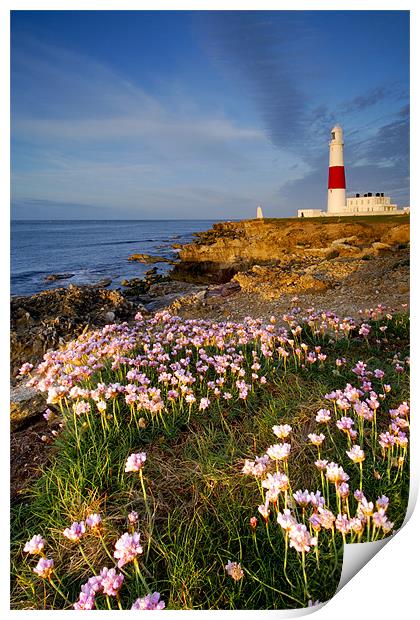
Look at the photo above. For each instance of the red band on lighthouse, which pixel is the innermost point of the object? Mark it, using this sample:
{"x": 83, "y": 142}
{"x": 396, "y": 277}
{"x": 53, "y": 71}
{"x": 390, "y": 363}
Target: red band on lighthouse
{"x": 336, "y": 177}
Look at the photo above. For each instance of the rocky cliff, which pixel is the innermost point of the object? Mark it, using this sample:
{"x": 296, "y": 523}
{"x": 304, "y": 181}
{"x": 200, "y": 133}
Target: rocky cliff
{"x": 233, "y": 247}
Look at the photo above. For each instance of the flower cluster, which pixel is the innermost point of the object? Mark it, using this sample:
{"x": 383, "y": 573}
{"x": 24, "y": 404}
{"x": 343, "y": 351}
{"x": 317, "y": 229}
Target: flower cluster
{"x": 135, "y": 462}
{"x": 35, "y": 545}
{"x": 44, "y": 568}
{"x": 75, "y": 532}
{"x": 234, "y": 570}
{"x": 108, "y": 582}
{"x": 127, "y": 548}
{"x": 164, "y": 363}
{"x": 150, "y": 601}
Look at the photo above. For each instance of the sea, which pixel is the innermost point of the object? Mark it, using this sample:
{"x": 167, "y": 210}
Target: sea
{"x": 91, "y": 250}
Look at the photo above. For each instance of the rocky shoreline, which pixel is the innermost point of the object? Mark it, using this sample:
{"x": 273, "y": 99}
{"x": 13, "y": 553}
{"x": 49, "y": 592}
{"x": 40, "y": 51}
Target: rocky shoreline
{"x": 269, "y": 259}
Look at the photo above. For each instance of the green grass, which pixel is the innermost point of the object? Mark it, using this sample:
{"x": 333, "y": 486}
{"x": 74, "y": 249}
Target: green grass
{"x": 402, "y": 219}
{"x": 198, "y": 507}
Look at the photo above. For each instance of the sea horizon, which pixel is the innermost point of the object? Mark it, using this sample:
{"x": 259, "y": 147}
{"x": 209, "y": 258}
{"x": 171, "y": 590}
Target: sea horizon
{"x": 89, "y": 251}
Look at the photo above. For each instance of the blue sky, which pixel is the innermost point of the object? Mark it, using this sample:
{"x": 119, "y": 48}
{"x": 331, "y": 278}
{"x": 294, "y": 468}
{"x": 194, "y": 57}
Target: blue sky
{"x": 175, "y": 114}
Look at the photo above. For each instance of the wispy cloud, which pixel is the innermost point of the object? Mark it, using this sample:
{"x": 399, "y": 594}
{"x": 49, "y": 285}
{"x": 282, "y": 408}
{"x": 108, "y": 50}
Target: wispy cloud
{"x": 371, "y": 98}
{"x": 110, "y": 142}
{"x": 250, "y": 45}
{"x": 126, "y": 127}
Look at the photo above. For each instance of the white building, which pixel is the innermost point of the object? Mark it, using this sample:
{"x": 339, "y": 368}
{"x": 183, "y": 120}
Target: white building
{"x": 377, "y": 204}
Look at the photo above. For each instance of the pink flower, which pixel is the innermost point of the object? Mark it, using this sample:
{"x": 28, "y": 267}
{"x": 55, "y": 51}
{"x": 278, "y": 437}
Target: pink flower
{"x": 94, "y": 521}
{"x": 359, "y": 495}
{"x": 44, "y": 568}
{"x": 135, "y": 462}
{"x": 264, "y": 511}
{"x": 279, "y": 452}
{"x": 276, "y": 482}
{"x": 316, "y": 440}
{"x": 364, "y": 330}
{"x": 234, "y": 570}
{"x": 286, "y": 520}
{"x": 48, "y": 415}
{"x": 335, "y": 473}
{"x": 204, "y": 403}
{"x": 101, "y": 405}
{"x": 315, "y": 521}
{"x": 86, "y": 601}
{"x": 25, "y": 369}
{"x": 344, "y": 490}
{"x": 343, "y": 524}
{"x": 316, "y": 499}
{"x": 127, "y": 548}
{"x": 300, "y": 538}
{"x": 256, "y": 468}
{"x": 133, "y": 517}
{"x": 344, "y": 424}
{"x": 81, "y": 407}
{"x": 326, "y": 518}
{"x": 282, "y": 431}
{"x": 365, "y": 508}
{"x": 357, "y": 525}
{"x": 75, "y": 532}
{"x": 35, "y": 545}
{"x": 382, "y": 502}
{"x": 323, "y": 416}
{"x": 356, "y": 454}
{"x": 302, "y": 498}
{"x": 386, "y": 440}
{"x": 150, "y": 601}
{"x": 111, "y": 581}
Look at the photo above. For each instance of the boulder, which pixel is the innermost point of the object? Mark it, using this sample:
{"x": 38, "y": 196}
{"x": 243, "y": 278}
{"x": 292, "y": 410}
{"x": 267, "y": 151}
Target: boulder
{"x": 148, "y": 258}
{"x": 344, "y": 240}
{"x": 225, "y": 290}
{"x": 26, "y": 404}
{"x": 397, "y": 234}
{"x": 58, "y": 276}
{"x": 331, "y": 253}
{"x": 377, "y": 245}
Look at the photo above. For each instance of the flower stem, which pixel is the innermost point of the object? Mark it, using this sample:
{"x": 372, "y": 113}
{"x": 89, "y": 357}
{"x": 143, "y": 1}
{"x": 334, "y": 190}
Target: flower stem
{"x": 106, "y": 549}
{"x": 138, "y": 572}
{"x": 86, "y": 559}
{"x": 57, "y": 589}
{"x": 305, "y": 579}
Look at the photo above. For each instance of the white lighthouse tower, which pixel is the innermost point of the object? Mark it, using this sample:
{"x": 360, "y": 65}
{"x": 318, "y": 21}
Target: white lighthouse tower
{"x": 336, "y": 176}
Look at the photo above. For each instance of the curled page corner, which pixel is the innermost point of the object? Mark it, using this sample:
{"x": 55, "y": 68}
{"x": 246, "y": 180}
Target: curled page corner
{"x": 355, "y": 556}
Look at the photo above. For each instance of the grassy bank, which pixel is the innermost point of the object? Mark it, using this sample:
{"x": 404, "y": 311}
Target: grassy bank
{"x": 357, "y": 219}
{"x": 199, "y": 402}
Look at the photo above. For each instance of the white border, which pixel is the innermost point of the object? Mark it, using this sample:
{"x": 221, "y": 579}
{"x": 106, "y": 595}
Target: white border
{"x": 387, "y": 586}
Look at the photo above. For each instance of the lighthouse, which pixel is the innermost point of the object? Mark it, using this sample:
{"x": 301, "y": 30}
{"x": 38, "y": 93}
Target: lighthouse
{"x": 336, "y": 176}
{"x": 337, "y": 204}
